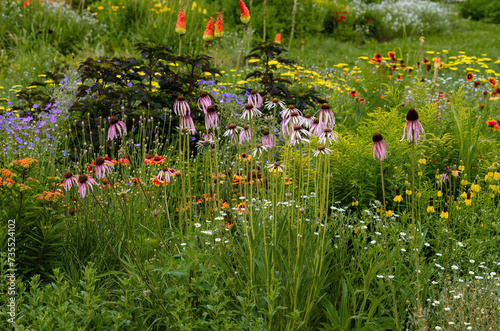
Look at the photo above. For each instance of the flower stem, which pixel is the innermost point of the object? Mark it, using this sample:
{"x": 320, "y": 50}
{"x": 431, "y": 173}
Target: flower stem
{"x": 241, "y": 54}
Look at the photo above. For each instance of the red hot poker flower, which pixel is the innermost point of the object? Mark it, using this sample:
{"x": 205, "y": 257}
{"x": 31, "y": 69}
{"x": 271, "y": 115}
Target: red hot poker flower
{"x": 180, "y": 27}
{"x": 218, "y": 26}
{"x": 208, "y": 35}
{"x": 245, "y": 13}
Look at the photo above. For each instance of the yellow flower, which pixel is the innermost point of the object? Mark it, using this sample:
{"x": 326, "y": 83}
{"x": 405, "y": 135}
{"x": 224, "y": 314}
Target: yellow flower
{"x": 422, "y": 161}
{"x": 468, "y": 202}
{"x": 408, "y": 192}
{"x": 398, "y": 198}
{"x": 357, "y": 229}
{"x": 461, "y": 167}
{"x": 475, "y": 188}
{"x": 464, "y": 182}
{"x": 420, "y": 173}
{"x": 454, "y": 173}
{"x": 440, "y": 194}
{"x": 100, "y": 7}
{"x": 464, "y": 195}
{"x": 388, "y": 213}
{"x": 444, "y": 214}
{"x": 430, "y": 209}
{"x": 418, "y": 195}
{"x": 355, "y": 203}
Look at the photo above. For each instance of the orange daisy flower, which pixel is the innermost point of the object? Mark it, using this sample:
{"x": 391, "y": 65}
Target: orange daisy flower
{"x": 492, "y": 81}
{"x": 470, "y": 77}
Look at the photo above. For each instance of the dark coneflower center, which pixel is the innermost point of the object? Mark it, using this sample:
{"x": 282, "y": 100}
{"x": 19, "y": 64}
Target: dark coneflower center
{"x": 294, "y": 113}
{"x": 259, "y": 146}
{"x": 307, "y": 115}
{"x": 99, "y": 161}
{"x": 248, "y": 106}
{"x": 232, "y": 126}
{"x": 412, "y": 115}
{"x": 210, "y": 109}
{"x": 83, "y": 179}
{"x": 244, "y": 156}
{"x": 203, "y": 94}
{"x": 297, "y": 127}
{"x": 327, "y": 130}
{"x": 325, "y": 106}
{"x": 246, "y": 127}
{"x": 291, "y": 107}
{"x": 113, "y": 120}
{"x": 468, "y": 195}
{"x": 321, "y": 148}
{"x": 149, "y": 156}
{"x": 68, "y": 174}
{"x": 316, "y": 121}
{"x": 377, "y": 137}
{"x": 275, "y": 100}
{"x": 181, "y": 98}
{"x": 265, "y": 132}
{"x": 165, "y": 169}
{"x": 253, "y": 92}
{"x": 277, "y": 164}
{"x": 397, "y": 191}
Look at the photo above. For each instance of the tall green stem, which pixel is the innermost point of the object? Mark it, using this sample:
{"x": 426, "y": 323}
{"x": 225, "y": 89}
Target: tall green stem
{"x": 413, "y": 224}
{"x": 240, "y": 56}
{"x": 294, "y": 13}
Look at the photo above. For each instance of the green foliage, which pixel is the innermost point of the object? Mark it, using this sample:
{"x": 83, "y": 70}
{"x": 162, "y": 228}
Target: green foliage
{"x": 481, "y": 10}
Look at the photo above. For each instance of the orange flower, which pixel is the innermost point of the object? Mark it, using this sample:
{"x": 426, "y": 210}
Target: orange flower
{"x": 6, "y": 173}
{"x": 277, "y": 39}
{"x": 492, "y": 81}
{"x": 208, "y": 35}
{"x": 154, "y": 160}
{"x": 491, "y": 123}
{"x": 218, "y": 26}
{"x": 180, "y": 27}
{"x": 470, "y": 76}
{"x": 392, "y": 55}
{"x": 245, "y": 13}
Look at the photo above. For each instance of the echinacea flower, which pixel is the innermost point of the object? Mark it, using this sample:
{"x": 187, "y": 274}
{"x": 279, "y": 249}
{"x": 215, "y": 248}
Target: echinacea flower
{"x": 245, "y": 13}
{"x": 307, "y": 120}
{"x": 69, "y": 180}
{"x": 180, "y": 27}
{"x": 274, "y": 103}
{"x": 267, "y": 139}
{"x": 164, "y": 175}
{"x": 85, "y": 182}
{"x": 250, "y": 111}
{"x": 327, "y": 136}
{"x": 321, "y": 150}
{"x": 277, "y": 38}
{"x": 116, "y": 128}
{"x": 255, "y": 99}
{"x": 245, "y": 134}
{"x": 102, "y": 166}
{"x": 233, "y": 132}
{"x": 470, "y": 77}
{"x": 275, "y": 167}
{"x": 218, "y": 26}
{"x": 326, "y": 116}
{"x": 187, "y": 124}
{"x": 181, "y": 107}
{"x": 298, "y": 135}
{"x": 208, "y": 35}
{"x": 316, "y": 128}
{"x": 261, "y": 148}
{"x": 379, "y": 147}
{"x": 204, "y": 101}
{"x": 211, "y": 118}
{"x": 413, "y": 126}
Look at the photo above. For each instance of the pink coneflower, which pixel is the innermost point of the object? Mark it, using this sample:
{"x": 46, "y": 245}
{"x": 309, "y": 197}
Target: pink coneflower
{"x": 299, "y": 135}
{"x": 204, "y": 101}
{"x": 188, "y": 124}
{"x": 275, "y": 167}
{"x": 116, "y": 128}
{"x": 326, "y": 116}
{"x": 295, "y": 118}
{"x": 202, "y": 144}
{"x": 327, "y": 136}
{"x": 245, "y": 134}
{"x": 181, "y": 107}
{"x": 232, "y": 132}
{"x": 274, "y": 103}
{"x": 413, "y": 126}
{"x": 250, "y": 111}
{"x": 321, "y": 150}
{"x": 255, "y": 99}
{"x": 287, "y": 112}
{"x": 267, "y": 139}
{"x": 102, "y": 166}
{"x": 307, "y": 120}
{"x": 316, "y": 128}
{"x": 85, "y": 182}
{"x": 259, "y": 150}
{"x": 379, "y": 147}
{"x": 211, "y": 118}
{"x": 164, "y": 175}
{"x": 69, "y": 180}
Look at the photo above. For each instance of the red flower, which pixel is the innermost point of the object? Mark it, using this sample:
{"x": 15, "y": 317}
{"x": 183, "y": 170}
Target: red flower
{"x": 470, "y": 76}
{"x": 218, "y": 26}
{"x": 277, "y": 39}
{"x": 154, "y": 160}
{"x": 392, "y": 55}
{"x": 245, "y": 13}
{"x": 180, "y": 27}
{"x": 491, "y": 123}
{"x": 353, "y": 94}
{"x": 208, "y": 35}
{"x": 492, "y": 81}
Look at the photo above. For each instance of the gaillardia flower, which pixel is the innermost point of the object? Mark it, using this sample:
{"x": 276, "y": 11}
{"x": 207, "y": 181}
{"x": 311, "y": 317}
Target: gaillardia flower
{"x": 245, "y": 13}
{"x": 413, "y": 127}
{"x": 470, "y": 77}
{"x": 116, "y": 128}
{"x": 180, "y": 27}
{"x": 379, "y": 147}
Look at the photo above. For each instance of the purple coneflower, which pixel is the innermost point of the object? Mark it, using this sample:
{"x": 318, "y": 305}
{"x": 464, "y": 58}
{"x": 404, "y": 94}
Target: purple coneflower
{"x": 298, "y": 135}
{"x": 321, "y": 150}
{"x": 181, "y": 107}
{"x": 69, "y": 180}
{"x": 413, "y": 126}
{"x": 316, "y": 128}
{"x": 85, "y": 182}
{"x": 307, "y": 120}
{"x": 211, "y": 118}
{"x": 327, "y": 136}
{"x": 287, "y": 112}
{"x": 204, "y": 101}
{"x": 164, "y": 175}
{"x": 379, "y": 147}
{"x": 295, "y": 118}
{"x": 188, "y": 124}
{"x": 245, "y": 134}
{"x": 274, "y": 103}
{"x": 326, "y": 116}
{"x": 255, "y": 99}
{"x": 232, "y": 132}
{"x": 267, "y": 139}
{"x": 259, "y": 150}
{"x": 116, "y": 128}
{"x": 102, "y": 166}
{"x": 275, "y": 167}
{"x": 250, "y": 111}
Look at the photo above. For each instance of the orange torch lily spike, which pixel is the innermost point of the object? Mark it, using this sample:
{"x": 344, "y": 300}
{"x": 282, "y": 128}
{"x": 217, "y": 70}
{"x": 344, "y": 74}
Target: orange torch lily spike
{"x": 218, "y": 26}
{"x": 245, "y": 13}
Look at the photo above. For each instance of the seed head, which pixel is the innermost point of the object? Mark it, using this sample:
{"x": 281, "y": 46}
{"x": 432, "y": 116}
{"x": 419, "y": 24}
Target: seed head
{"x": 377, "y": 137}
{"x": 113, "y": 120}
{"x": 82, "y": 179}
{"x": 181, "y": 98}
{"x": 210, "y": 109}
{"x": 412, "y": 115}
{"x": 68, "y": 174}
{"x": 99, "y": 161}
